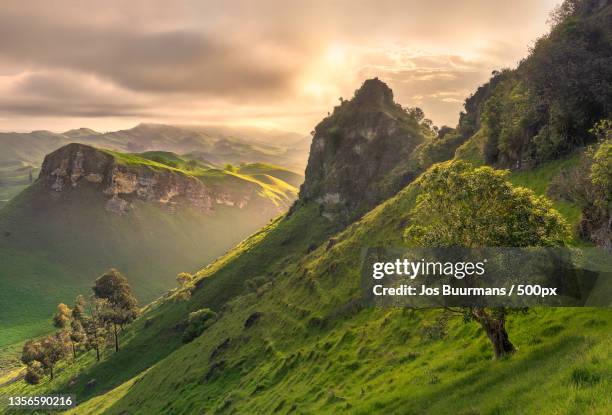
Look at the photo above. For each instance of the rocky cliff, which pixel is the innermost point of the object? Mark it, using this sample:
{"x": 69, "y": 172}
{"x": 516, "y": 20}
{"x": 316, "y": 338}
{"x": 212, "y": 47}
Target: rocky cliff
{"x": 357, "y": 153}
{"x": 76, "y": 165}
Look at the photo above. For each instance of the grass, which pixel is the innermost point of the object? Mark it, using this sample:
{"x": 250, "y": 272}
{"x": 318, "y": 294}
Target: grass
{"x": 539, "y": 179}
{"x": 315, "y": 349}
{"x": 47, "y": 258}
{"x": 472, "y": 149}
{"x": 274, "y": 183}
{"x": 14, "y": 177}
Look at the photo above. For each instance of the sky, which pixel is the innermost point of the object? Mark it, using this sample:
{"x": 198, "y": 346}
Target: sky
{"x": 112, "y": 64}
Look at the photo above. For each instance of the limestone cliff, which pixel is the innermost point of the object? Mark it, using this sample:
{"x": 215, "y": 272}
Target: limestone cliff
{"x": 357, "y": 152}
{"x": 76, "y": 165}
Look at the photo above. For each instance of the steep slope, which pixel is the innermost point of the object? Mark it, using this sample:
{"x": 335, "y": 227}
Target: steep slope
{"x": 305, "y": 228}
{"x": 92, "y": 209}
{"x": 21, "y": 155}
{"x": 292, "y": 335}
{"x": 314, "y": 348}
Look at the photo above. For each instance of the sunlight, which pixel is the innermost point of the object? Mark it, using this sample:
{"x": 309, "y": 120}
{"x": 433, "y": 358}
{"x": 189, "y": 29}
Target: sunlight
{"x": 336, "y": 56}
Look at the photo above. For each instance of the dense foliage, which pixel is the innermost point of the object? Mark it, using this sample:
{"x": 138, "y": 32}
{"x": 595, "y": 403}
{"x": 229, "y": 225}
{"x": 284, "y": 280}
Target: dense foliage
{"x": 112, "y": 304}
{"x": 547, "y": 107}
{"x": 451, "y": 211}
{"x": 589, "y": 185}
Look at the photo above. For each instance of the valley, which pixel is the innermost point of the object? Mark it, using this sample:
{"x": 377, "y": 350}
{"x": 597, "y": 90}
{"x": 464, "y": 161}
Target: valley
{"x": 151, "y": 215}
{"x": 268, "y": 315}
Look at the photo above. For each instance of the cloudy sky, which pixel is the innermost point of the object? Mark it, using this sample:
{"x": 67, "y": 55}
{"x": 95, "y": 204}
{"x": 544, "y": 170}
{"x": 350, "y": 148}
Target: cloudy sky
{"x": 274, "y": 64}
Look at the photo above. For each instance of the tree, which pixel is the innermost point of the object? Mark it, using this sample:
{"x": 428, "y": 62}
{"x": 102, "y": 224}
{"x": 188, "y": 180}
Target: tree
{"x": 54, "y": 348}
{"x": 62, "y": 317}
{"x": 63, "y": 320}
{"x": 31, "y": 352}
{"x": 41, "y": 356}
{"x": 589, "y": 185}
{"x": 78, "y": 311}
{"x": 34, "y": 373}
{"x": 121, "y": 307}
{"x": 197, "y": 322}
{"x": 94, "y": 327}
{"x": 416, "y": 113}
{"x": 450, "y": 212}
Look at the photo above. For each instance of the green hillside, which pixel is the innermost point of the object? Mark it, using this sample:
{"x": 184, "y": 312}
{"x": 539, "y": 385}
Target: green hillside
{"x": 315, "y": 349}
{"x": 286, "y": 328}
{"x": 51, "y": 247}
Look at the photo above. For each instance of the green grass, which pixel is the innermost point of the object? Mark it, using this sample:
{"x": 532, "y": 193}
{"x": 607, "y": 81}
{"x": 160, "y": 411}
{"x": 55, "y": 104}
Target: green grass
{"x": 155, "y": 335}
{"x": 540, "y": 178}
{"x": 275, "y": 183}
{"x": 264, "y": 169}
{"x": 14, "y": 177}
{"x": 47, "y": 257}
{"x": 316, "y": 350}
{"x": 472, "y": 149}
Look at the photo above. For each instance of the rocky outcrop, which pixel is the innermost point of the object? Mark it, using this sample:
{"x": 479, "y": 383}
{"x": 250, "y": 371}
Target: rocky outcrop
{"x": 76, "y": 165}
{"x": 356, "y": 153}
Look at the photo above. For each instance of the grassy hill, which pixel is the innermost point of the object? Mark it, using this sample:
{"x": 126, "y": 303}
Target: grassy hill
{"x": 290, "y": 332}
{"x": 23, "y": 153}
{"x": 53, "y": 245}
{"x": 313, "y": 348}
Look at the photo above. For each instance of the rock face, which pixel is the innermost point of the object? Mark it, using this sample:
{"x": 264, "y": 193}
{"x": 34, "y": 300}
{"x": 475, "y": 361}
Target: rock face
{"x": 357, "y": 152}
{"x": 77, "y": 165}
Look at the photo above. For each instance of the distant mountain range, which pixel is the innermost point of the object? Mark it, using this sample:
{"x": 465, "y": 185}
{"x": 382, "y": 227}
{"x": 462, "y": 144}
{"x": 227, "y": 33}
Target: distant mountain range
{"x": 22, "y": 153}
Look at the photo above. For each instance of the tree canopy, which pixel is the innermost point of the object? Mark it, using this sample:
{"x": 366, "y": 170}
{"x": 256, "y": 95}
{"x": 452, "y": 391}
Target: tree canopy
{"x": 477, "y": 207}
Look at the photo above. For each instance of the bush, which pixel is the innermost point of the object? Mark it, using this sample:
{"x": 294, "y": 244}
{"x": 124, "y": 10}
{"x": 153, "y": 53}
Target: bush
{"x": 197, "y": 322}
{"x": 34, "y": 373}
{"x": 589, "y": 185}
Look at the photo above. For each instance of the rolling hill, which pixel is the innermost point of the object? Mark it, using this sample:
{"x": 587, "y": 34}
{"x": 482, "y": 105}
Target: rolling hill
{"x": 290, "y": 332}
{"x": 292, "y": 337}
{"x": 23, "y": 153}
{"x": 151, "y": 215}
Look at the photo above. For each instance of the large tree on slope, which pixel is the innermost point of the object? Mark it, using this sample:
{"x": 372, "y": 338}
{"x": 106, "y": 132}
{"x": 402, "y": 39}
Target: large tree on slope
{"x": 462, "y": 206}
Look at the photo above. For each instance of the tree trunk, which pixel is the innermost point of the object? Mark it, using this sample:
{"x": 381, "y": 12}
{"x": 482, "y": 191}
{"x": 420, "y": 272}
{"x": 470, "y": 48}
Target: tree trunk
{"x": 496, "y": 331}
{"x": 73, "y": 349}
{"x": 495, "y": 327}
{"x": 97, "y": 353}
{"x": 51, "y": 371}
{"x": 116, "y": 338}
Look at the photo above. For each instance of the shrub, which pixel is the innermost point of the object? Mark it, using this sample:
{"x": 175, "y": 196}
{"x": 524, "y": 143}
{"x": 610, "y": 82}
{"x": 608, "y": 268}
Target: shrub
{"x": 197, "y": 322}
{"x": 34, "y": 373}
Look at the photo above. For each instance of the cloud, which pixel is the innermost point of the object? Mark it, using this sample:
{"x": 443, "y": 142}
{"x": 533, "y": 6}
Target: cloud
{"x": 61, "y": 93}
{"x": 176, "y": 61}
{"x": 190, "y": 59}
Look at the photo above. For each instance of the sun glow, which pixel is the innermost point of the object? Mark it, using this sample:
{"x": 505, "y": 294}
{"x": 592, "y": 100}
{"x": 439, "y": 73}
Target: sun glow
{"x": 336, "y": 56}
